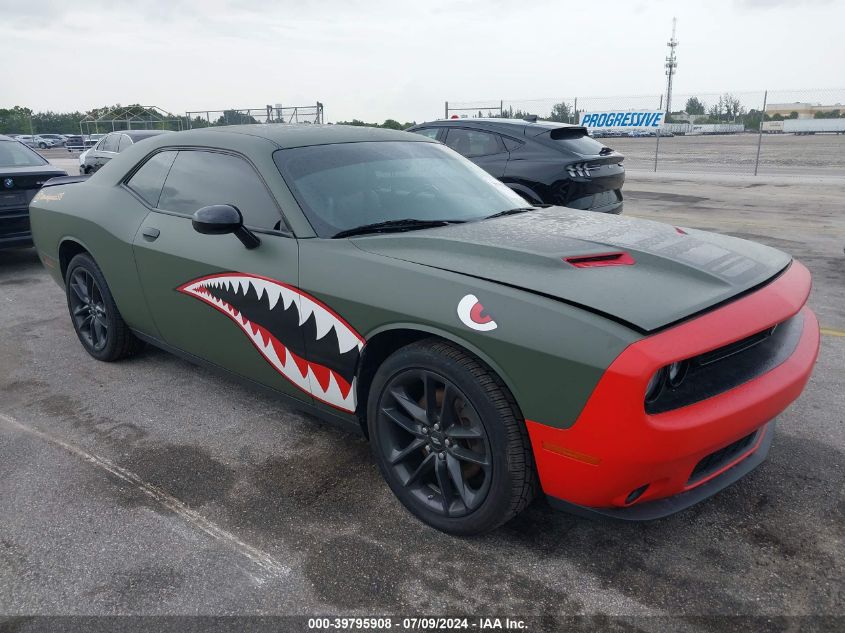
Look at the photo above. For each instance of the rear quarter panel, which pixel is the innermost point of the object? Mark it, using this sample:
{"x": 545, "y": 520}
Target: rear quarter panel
{"x": 103, "y": 219}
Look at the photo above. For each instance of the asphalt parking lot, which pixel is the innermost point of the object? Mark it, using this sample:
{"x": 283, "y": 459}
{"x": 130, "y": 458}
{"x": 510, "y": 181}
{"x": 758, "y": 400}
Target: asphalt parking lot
{"x": 152, "y": 486}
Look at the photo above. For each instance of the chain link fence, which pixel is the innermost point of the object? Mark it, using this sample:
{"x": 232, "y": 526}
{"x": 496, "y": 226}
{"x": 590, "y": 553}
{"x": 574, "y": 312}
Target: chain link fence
{"x": 802, "y": 132}
{"x": 267, "y": 114}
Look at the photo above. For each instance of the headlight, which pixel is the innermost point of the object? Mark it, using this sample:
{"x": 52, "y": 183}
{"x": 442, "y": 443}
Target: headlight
{"x": 676, "y": 373}
{"x": 655, "y": 385}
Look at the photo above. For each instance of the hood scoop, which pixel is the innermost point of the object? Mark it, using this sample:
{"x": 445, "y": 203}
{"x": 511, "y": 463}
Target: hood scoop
{"x": 600, "y": 259}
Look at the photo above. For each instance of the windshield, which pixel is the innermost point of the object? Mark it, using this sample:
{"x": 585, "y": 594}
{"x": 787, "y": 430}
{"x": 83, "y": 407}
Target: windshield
{"x": 15, "y": 154}
{"x": 347, "y": 185}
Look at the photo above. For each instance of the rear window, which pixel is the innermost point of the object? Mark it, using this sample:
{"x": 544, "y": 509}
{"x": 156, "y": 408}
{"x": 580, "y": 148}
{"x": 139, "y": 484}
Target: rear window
{"x": 15, "y": 154}
{"x": 576, "y": 140}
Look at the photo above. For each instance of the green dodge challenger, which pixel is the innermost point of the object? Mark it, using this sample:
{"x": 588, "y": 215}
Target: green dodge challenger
{"x": 487, "y": 349}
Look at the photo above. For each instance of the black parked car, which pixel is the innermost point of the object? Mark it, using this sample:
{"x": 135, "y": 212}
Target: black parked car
{"x": 545, "y": 162}
{"x": 110, "y": 146}
{"x": 22, "y": 172}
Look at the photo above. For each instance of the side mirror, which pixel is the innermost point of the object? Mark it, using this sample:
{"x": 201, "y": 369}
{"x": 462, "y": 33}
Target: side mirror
{"x": 221, "y": 219}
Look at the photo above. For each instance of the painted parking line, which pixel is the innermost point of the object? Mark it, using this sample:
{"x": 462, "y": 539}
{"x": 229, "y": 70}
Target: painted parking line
{"x": 826, "y": 331}
{"x": 269, "y": 565}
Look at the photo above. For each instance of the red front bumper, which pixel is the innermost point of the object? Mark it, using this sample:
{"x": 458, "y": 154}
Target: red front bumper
{"x": 615, "y": 447}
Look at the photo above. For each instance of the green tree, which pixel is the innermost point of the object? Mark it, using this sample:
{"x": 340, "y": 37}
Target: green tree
{"x": 390, "y": 124}
{"x": 510, "y": 113}
{"x": 235, "y": 117}
{"x": 561, "y": 113}
{"x": 793, "y": 115}
{"x": 16, "y": 120}
{"x": 751, "y": 121}
{"x": 694, "y": 106}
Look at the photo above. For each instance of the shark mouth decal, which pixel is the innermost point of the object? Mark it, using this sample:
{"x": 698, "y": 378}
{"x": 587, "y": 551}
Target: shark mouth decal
{"x": 302, "y": 338}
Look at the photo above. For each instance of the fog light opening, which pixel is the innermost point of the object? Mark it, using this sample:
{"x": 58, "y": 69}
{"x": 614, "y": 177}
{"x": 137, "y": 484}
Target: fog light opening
{"x": 635, "y": 494}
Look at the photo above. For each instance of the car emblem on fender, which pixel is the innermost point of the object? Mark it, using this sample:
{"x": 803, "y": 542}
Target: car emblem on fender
{"x": 471, "y": 313}
{"x": 8, "y": 183}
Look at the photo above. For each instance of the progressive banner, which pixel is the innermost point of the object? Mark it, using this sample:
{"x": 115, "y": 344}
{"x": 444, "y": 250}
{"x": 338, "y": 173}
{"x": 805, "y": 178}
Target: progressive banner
{"x": 627, "y": 119}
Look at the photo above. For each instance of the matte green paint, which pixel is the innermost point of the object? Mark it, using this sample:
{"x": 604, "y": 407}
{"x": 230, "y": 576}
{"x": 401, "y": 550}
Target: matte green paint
{"x": 550, "y": 346}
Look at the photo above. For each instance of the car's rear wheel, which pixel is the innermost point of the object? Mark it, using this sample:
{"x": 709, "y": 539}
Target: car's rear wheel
{"x": 449, "y": 439}
{"x": 95, "y": 317}
{"x": 42, "y": 145}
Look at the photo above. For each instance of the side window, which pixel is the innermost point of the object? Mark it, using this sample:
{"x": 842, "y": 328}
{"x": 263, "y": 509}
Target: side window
{"x": 110, "y": 143}
{"x": 472, "y": 142}
{"x": 148, "y": 181}
{"x": 430, "y": 132}
{"x": 511, "y": 144}
{"x": 124, "y": 142}
{"x": 200, "y": 178}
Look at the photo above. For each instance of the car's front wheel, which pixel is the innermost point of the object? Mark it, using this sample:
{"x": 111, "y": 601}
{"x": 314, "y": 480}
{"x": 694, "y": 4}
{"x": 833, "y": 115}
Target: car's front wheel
{"x": 42, "y": 145}
{"x": 449, "y": 439}
{"x": 93, "y": 312}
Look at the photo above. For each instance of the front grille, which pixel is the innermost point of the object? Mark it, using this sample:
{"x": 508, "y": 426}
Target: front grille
{"x": 13, "y": 200}
{"x": 14, "y": 225}
{"x": 718, "y": 459}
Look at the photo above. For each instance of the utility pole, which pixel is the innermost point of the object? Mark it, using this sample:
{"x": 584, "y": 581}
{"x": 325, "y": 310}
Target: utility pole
{"x": 670, "y": 65}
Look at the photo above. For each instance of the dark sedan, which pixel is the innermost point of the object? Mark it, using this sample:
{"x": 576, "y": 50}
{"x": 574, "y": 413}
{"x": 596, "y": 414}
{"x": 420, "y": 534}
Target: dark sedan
{"x": 22, "y": 172}
{"x": 110, "y": 146}
{"x": 544, "y": 162}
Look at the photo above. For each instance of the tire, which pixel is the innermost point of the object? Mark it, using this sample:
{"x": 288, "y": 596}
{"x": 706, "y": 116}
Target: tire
{"x": 94, "y": 314}
{"x": 42, "y": 145}
{"x": 481, "y": 456}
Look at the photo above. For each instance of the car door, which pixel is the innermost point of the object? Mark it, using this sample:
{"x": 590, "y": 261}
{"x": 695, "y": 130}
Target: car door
{"x": 92, "y": 158}
{"x": 485, "y": 149}
{"x": 209, "y": 295}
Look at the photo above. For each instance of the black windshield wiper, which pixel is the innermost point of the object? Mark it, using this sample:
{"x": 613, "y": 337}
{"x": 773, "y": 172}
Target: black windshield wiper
{"x": 388, "y": 226}
{"x": 510, "y": 212}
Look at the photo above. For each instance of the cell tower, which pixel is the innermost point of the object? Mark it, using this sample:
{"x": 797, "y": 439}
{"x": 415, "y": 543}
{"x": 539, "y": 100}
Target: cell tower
{"x": 670, "y": 65}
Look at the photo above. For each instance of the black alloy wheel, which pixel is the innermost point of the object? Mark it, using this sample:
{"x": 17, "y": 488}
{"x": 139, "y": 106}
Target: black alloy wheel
{"x": 88, "y": 309}
{"x": 95, "y": 317}
{"x": 449, "y": 439}
{"x": 435, "y": 442}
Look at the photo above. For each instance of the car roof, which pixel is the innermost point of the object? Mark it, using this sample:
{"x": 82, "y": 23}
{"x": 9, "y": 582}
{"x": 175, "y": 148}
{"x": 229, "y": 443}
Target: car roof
{"x": 139, "y": 134}
{"x": 300, "y": 135}
{"x": 3, "y": 137}
{"x": 514, "y": 126}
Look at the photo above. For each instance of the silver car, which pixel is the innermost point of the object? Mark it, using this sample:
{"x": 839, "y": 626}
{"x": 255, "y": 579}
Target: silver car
{"x": 41, "y": 142}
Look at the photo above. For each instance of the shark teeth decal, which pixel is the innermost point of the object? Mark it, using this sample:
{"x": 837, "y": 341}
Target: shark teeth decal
{"x": 285, "y": 325}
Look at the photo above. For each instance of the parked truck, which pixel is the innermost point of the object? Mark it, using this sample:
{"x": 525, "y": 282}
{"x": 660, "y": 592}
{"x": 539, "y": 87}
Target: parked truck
{"x": 814, "y": 126}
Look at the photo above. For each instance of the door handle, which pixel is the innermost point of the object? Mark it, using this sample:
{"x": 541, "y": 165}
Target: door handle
{"x": 150, "y": 234}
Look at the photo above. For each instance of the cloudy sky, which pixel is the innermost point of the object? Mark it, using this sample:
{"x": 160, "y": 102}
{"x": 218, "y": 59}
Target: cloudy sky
{"x": 373, "y": 59}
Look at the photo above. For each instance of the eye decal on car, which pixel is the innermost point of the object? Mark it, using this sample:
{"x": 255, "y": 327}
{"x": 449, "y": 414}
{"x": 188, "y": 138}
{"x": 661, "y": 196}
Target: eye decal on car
{"x": 472, "y": 314}
{"x": 304, "y": 340}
